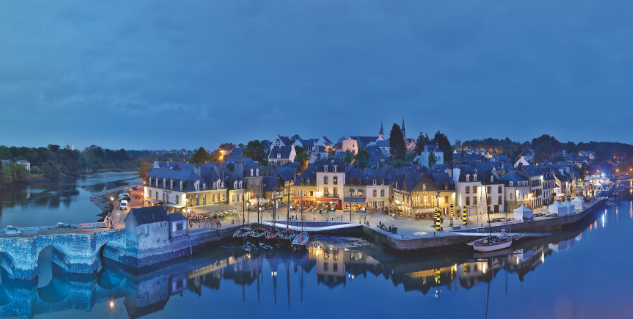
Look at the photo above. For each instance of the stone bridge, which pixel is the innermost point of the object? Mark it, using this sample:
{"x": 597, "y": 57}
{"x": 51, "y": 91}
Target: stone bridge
{"x": 76, "y": 248}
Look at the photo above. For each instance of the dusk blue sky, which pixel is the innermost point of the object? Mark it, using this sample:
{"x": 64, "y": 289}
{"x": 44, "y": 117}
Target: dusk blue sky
{"x": 184, "y": 74}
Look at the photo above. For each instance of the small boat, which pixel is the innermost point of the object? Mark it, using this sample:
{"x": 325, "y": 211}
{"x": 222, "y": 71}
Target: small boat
{"x": 265, "y": 246}
{"x": 241, "y": 233}
{"x": 258, "y": 233}
{"x": 271, "y": 233}
{"x": 301, "y": 240}
{"x": 491, "y": 243}
{"x": 249, "y": 247}
{"x": 287, "y": 235}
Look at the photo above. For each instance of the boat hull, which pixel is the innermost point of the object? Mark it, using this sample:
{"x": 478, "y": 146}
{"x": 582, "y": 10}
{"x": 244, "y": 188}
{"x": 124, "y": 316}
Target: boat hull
{"x": 499, "y": 246}
{"x": 301, "y": 240}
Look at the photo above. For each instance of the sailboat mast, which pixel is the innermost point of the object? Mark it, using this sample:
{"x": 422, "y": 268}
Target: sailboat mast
{"x": 288, "y": 217}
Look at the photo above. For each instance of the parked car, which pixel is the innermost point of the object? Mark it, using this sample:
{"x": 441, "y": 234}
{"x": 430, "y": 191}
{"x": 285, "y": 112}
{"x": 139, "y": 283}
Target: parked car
{"x": 123, "y": 204}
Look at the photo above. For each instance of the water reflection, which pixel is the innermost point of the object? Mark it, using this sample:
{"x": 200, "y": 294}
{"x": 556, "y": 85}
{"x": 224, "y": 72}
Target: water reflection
{"x": 279, "y": 281}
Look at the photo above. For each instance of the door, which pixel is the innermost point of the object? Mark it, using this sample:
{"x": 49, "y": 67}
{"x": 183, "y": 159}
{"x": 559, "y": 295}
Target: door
{"x": 496, "y": 208}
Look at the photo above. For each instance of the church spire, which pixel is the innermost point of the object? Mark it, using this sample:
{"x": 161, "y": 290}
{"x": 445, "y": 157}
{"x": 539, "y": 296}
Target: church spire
{"x": 381, "y": 130}
{"x": 403, "y": 129}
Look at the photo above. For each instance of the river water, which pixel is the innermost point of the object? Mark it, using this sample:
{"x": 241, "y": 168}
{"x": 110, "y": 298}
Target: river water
{"x": 46, "y": 203}
{"x": 581, "y": 273}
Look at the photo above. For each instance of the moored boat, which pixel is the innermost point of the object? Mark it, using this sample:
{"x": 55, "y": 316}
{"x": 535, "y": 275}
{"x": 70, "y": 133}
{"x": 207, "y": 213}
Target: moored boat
{"x": 491, "y": 243}
{"x": 265, "y": 246}
{"x": 241, "y": 233}
{"x": 271, "y": 233}
{"x": 301, "y": 240}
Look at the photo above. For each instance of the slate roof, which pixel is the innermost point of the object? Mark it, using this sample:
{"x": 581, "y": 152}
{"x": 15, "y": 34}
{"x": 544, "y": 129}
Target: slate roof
{"x": 283, "y": 150}
{"x": 515, "y": 177}
{"x": 485, "y": 175}
{"x": 285, "y": 139}
{"x": 441, "y": 179}
{"x": 531, "y": 170}
{"x": 187, "y": 176}
{"x": 330, "y": 163}
{"x": 383, "y": 143}
{"x": 286, "y": 173}
{"x": 176, "y": 217}
{"x": 269, "y": 183}
{"x": 364, "y": 141}
{"x": 237, "y": 152}
{"x": 148, "y": 215}
{"x": 310, "y": 173}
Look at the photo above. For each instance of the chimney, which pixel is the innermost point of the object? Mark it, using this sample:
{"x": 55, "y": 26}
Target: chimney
{"x": 449, "y": 172}
{"x": 456, "y": 172}
{"x": 196, "y": 169}
{"x": 239, "y": 168}
{"x": 156, "y": 164}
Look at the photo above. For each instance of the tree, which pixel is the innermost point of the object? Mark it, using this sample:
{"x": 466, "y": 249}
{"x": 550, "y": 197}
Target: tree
{"x": 301, "y": 157}
{"x": 571, "y": 148}
{"x": 432, "y": 159}
{"x": 142, "y": 171}
{"x": 396, "y": 143}
{"x": 458, "y": 143}
{"x": 35, "y": 170}
{"x": 227, "y": 147}
{"x": 1, "y": 174}
{"x": 420, "y": 142}
{"x": 201, "y": 156}
{"x": 362, "y": 158}
{"x": 349, "y": 158}
{"x": 254, "y": 150}
{"x": 544, "y": 149}
{"x": 5, "y": 153}
{"x": 409, "y": 157}
{"x": 444, "y": 145}
{"x": 47, "y": 170}
{"x": 21, "y": 173}
{"x": 554, "y": 143}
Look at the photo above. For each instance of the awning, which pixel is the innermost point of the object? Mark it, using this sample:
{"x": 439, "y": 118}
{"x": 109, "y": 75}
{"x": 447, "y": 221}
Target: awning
{"x": 304, "y": 199}
{"x": 209, "y": 209}
{"x": 332, "y": 200}
{"x": 354, "y": 200}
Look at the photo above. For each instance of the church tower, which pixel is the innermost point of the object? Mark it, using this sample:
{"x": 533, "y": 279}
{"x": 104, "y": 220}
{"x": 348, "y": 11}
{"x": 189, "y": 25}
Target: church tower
{"x": 404, "y": 134}
{"x": 380, "y": 133}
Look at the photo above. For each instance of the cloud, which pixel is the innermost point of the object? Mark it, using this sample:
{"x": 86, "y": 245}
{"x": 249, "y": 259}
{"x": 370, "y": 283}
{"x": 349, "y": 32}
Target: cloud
{"x": 173, "y": 75}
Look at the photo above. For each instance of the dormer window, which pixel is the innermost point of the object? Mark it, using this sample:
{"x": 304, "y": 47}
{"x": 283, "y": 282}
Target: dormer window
{"x": 423, "y": 187}
{"x": 235, "y": 185}
{"x": 351, "y": 181}
{"x": 475, "y": 178}
{"x": 251, "y": 172}
{"x": 382, "y": 181}
{"x": 241, "y": 185}
{"x": 467, "y": 178}
{"x": 302, "y": 181}
{"x": 278, "y": 155}
{"x": 446, "y": 186}
{"x": 325, "y": 168}
{"x": 510, "y": 183}
{"x": 492, "y": 178}
{"x": 222, "y": 184}
{"x": 257, "y": 172}
{"x": 335, "y": 168}
{"x": 360, "y": 181}
{"x": 374, "y": 181}
{"x": 308, "y": 182}
{"x": 204, "y": 186}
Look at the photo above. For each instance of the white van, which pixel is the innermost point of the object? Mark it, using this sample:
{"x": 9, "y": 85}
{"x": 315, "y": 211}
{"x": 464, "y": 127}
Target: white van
{"x": 123, "y": 205}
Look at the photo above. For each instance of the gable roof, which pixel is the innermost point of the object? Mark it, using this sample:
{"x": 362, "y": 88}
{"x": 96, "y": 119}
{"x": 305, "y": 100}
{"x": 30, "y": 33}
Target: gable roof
{"x": 176, "y": 217}
{"x": 148, "y": 215}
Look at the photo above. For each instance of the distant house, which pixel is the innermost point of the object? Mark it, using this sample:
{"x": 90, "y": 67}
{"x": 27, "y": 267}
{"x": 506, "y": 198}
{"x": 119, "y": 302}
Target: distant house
{"x": 423, "y": 158}
{"x": 350, "y": 145}
{"x": 282, "y": 154}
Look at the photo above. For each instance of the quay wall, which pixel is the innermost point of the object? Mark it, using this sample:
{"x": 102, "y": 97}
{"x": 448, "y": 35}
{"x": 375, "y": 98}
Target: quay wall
{"x": 446, "y": 240}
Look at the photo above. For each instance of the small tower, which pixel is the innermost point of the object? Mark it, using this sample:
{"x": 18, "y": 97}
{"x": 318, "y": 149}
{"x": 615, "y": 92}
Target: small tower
{"x": 380, "y": 133}
{"x": 403, "y": 130}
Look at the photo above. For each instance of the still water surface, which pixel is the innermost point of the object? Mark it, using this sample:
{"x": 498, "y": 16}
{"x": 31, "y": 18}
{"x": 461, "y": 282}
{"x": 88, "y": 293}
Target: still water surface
{"x": 49, "y": 202}
{"x": 577, "y": 274}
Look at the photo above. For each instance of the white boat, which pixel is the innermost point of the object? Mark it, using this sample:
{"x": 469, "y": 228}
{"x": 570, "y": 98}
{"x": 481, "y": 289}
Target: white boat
{"x": 301, "y": 240}
{"x": 491, "y": 243}
{"x": 265, "y": 246}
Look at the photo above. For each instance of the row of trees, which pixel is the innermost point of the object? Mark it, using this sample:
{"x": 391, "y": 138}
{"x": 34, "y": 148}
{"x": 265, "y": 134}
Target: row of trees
{"x": 53, "y": 161}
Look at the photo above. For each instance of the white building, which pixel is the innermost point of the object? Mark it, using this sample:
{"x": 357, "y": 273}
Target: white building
{"x": 423, "y": 158}
{"x": 330, "y": 181}
{"x": 350, "y": 145}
